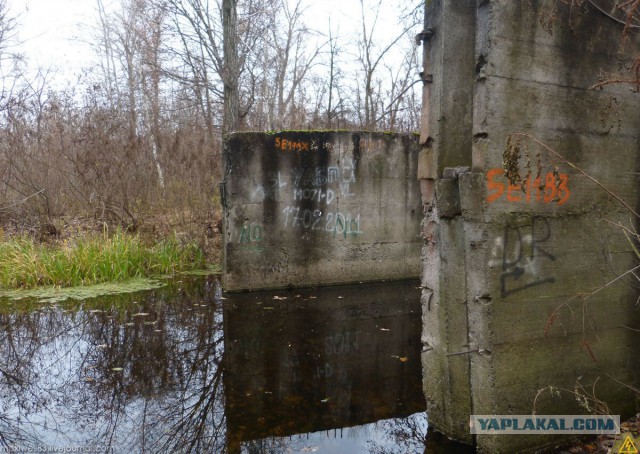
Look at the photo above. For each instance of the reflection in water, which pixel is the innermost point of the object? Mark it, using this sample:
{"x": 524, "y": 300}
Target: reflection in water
{"x": 321, "y": 359}
{"x": 181, "y": 369}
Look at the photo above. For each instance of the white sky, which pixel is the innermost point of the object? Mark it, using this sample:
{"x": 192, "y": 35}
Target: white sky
{"x": 57, "y": 33}
{"x": 54, "y": 33}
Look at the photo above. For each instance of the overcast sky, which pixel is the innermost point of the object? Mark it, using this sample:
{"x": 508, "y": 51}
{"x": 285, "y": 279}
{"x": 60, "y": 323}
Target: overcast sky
{"x": 57, "y": 33}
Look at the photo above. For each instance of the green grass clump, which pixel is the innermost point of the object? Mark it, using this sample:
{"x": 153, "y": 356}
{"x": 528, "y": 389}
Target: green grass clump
{"x": 91, "y": 260}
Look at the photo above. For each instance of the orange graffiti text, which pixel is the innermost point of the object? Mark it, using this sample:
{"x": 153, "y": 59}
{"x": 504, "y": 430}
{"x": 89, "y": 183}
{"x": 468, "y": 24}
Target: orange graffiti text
{"x": 291, "y": 145}
{"x": 551, "y": 188}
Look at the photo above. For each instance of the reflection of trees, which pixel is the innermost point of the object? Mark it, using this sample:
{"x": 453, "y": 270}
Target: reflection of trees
{"x": 25, "y": 333}
{"x": 393, "y": 436}
{"x": 15, "y": 374}
{"x": 100, "y": 370}
{"x": 146, "y": 375}
{"x": 175, "y": 352}
{"x": 194, "y": 415}
{"x": 406, "y": 435}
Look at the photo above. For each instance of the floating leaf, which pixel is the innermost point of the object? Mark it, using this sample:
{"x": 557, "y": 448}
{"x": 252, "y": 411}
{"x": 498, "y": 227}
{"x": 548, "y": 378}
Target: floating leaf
{"x": 403, "y": 359}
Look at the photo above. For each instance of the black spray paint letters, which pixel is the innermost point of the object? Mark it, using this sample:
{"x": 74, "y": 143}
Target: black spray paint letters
{"x": 523, "y": 257}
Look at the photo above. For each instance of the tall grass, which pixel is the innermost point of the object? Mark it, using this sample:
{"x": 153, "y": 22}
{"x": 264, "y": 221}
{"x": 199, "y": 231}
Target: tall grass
{"x": 91, "y": 260}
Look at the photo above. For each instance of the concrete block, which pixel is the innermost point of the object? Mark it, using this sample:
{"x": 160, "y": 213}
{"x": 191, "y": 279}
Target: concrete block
{"x": 448, "y": 198}
{"x": 452, "y": 173}
{"x": 472, "y": 188}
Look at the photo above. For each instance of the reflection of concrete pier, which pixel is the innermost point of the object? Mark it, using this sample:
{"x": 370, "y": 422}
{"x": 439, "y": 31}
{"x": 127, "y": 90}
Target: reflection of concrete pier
{"x": 321, "y": 359}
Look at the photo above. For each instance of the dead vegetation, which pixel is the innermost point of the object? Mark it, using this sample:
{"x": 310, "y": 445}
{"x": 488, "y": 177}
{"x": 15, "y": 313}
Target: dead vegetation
{"x": 136, "y": 141}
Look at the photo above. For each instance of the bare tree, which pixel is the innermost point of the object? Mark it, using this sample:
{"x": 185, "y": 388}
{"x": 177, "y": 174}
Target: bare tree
{"x": 402, "y": 110}
{"x": 292, "y": 59}
{"x": 201, "y": 31}
{"x": 231, "y": 68}
{"x": 105, "y": 44}
{"x": 151, "y": 113}
{"x": 152, "y": 36}
{"x": 130, "y": 40}
{"x": 197, "y": 25}
{"x": 334, "y": 74}
{"x": 7, "y": 28}
{"x": 371, "y": 57}
{"x": 10, "y": 72}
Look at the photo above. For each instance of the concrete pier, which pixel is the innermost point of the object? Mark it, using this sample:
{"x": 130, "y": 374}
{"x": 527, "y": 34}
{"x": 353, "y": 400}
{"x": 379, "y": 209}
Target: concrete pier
{"x": 319, "y": 208}
{"x": 520, "y": 314}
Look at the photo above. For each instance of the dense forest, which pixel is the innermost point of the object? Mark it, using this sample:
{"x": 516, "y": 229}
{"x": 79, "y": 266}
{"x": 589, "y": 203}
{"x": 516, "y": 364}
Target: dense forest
{"x": 138, "y": 135}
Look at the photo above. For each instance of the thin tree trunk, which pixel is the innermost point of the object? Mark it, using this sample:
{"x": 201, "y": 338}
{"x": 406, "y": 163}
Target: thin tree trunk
{"x": 230, "y": 119}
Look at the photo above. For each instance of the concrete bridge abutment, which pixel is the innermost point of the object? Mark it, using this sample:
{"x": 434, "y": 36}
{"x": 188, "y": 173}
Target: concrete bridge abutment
{"x": 520, "y": 314}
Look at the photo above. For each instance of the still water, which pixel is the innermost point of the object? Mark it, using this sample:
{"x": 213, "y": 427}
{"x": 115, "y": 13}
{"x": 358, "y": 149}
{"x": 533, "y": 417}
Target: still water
{"x": 186, "y": 368}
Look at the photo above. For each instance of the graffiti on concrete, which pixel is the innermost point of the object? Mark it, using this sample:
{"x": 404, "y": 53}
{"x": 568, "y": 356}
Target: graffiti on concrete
{"x": 523, "y": 256}
{"x": 320, "y": 198}
{"x": 317, "y": 195}
{"x": 291, "y": 145}
{"x": 319, "y": 176}
{"x": 250, "y": 234}
{"x": 553, "y": 188}
{"x": 308, "y": 183}
{"x": 271, "y": 190}
{"x": 316, "y": 185}
{"x": 337, "y": 223}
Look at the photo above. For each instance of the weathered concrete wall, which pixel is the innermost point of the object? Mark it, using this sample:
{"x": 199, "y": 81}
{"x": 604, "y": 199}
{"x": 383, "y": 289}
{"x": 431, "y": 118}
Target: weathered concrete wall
{"x": 312, "y": 208}
{"x": 506, "y": 270}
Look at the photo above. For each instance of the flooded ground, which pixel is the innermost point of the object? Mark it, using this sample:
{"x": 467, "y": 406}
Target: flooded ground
{"x": 185, "y": 369}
